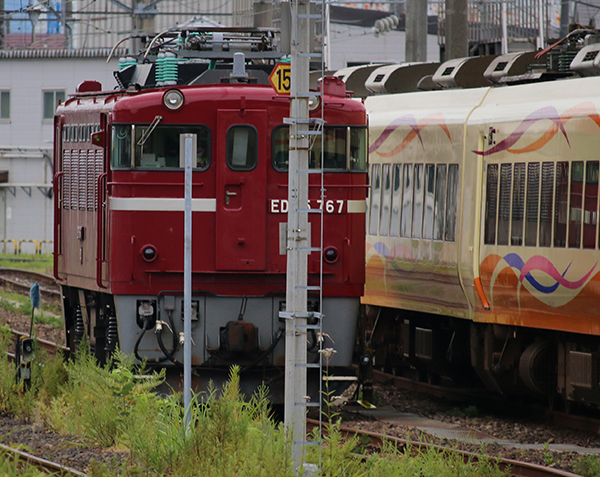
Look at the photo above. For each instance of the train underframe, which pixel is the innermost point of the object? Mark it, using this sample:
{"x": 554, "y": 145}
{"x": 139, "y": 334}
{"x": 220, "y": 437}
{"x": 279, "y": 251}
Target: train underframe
{"x": 562, "y": 368}
{"x": 245, "y": 331}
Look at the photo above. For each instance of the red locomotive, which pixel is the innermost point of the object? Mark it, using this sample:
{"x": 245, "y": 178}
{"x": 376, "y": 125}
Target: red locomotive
{"x": 119, "y": 201}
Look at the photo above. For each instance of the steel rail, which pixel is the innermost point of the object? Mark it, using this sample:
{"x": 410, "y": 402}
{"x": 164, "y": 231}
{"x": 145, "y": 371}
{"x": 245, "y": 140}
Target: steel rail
{"x": 514, "y": 467}
{"x": 579, "y": 422}
{"x": 47, "y": 466}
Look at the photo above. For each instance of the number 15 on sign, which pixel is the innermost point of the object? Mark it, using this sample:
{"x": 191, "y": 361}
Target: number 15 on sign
{"x": 281, "y": 78}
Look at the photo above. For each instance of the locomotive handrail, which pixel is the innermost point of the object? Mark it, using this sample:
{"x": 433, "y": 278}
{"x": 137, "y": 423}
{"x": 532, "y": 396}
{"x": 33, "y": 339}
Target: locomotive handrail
{"x": 100, "y": 231}
{"x": 57, "y": 220}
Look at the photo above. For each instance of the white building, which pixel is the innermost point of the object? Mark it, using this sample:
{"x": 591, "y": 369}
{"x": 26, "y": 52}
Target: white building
{"x": 31, "y": 84}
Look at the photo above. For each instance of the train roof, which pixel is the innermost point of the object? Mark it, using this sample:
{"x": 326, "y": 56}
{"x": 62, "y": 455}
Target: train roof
{"x": 577, "y": 55}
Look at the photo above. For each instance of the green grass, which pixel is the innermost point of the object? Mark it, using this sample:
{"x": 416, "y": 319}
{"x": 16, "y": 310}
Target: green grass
{"x": 38, "y": 263}
{"x": 17, "y": 303}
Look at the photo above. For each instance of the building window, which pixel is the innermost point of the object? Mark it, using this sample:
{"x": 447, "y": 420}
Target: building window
{"x": 4, "y": 104}
{"x": 51, "y": 101}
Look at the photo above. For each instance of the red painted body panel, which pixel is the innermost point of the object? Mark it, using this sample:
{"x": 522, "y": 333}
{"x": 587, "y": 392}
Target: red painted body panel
{"x": 236, "y": 248}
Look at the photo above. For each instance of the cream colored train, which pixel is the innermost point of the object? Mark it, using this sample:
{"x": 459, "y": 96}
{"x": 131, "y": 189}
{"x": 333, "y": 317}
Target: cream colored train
{"x": 483, "y": 258}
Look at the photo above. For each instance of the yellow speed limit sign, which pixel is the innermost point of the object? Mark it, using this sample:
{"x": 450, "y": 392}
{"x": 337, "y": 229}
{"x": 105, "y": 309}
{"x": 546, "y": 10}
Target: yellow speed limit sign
{"x": 281, "y": 78}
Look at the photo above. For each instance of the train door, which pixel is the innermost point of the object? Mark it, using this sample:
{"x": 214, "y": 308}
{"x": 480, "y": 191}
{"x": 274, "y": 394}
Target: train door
{"x": 241, "y": 190}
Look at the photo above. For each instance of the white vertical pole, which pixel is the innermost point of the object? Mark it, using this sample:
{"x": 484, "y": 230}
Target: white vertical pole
{"x": 297, "y": 234}
{"x": 540, "y": 40}
{"x": 327, "y": 32}
{"x": 504, "y": 29}
{"x": 187, "y": 281}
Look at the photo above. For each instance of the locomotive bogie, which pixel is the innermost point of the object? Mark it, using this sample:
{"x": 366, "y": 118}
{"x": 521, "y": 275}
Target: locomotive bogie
{"x": 523, "y": 266}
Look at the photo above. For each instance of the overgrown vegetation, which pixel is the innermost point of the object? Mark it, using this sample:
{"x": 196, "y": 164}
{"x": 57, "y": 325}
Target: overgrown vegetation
{"x": 588, "y": 466}
{"x": 115, "y": 406}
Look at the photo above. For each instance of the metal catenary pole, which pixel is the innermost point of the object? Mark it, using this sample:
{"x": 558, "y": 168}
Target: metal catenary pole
{"x": 297, "y": 233}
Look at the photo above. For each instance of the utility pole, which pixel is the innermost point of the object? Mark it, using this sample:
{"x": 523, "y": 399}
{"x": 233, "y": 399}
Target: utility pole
{"x": 457, "y": 43}
{"x": 416, "y": 31}
{"x": 298, "y": 238}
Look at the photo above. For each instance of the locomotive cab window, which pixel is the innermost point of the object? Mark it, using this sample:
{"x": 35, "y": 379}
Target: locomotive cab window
{"x": 242, "y": 147}
{"x": 345, "y": 149}
{"x": 153, "y": 147}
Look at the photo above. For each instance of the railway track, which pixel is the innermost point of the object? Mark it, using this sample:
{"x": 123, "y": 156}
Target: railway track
{"x": 49, "y": 346}
{"x": 514, "y": 467}
{"x": 22, "y": 281}
{"x": 42, "y": 465}
{"x": 574, "y": 421}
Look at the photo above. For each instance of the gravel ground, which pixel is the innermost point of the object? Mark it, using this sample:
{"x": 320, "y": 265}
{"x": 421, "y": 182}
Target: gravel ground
{"x": 64, "y": 450}
{"x": 527, "y": 430}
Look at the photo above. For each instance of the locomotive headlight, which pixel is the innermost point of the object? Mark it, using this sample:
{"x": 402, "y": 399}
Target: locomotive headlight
{"x": 173, "y": 99}
{"x": 313, "y": 102}
{"x": 330, "y": 255}
{"x": 149, "y": 253}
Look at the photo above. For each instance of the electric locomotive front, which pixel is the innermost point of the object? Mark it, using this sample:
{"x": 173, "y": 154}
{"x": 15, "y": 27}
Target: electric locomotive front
{"x": 119, "y": 244}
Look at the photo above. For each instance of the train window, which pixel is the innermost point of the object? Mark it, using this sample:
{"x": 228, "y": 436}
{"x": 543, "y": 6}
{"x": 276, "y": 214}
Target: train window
{"x": 546, "y": 202}
{"x": 242, "y": 147}
{"x": 575, "y": 204}
{"x": 334, "y": 149}
{"x": 504, "y": 203}
{"x": 451, "y": 202}
{"x": 358, "y": 149}
{"x": 428, "y": 203}
{"x": 491, "y": 204}
{"x": 386, "y": 200}
{"x": 159, "y": 149}
{"x": 533, "y": 202}
{"x": 518, "y": 205}
{"x": 418, "y": 201}
{"x": 407, "y": 194}
{"x": 396, "y": 199}
{"x": 345, "y": 149}
{"x": 440, "y": 202}
{"x": 280, "y": 143}
{"x": 590, "y": 214}
{"x": 121, "y": 146}
{"x": 561, "y": 204}
{"x": 375, "y": 198}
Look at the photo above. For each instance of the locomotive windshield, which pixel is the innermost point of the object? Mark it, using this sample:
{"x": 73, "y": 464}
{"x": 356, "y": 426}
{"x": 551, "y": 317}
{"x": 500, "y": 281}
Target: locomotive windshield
{"x": 345, "y": 149}
{"x": 157, "y": 148}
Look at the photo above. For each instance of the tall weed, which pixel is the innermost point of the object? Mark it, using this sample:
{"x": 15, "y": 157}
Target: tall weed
{"x": 98, "y": 402}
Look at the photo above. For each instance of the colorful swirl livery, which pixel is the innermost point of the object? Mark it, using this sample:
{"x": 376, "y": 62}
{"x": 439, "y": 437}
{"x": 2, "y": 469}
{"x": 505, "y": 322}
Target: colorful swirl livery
{"x": 483, "y": 259}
